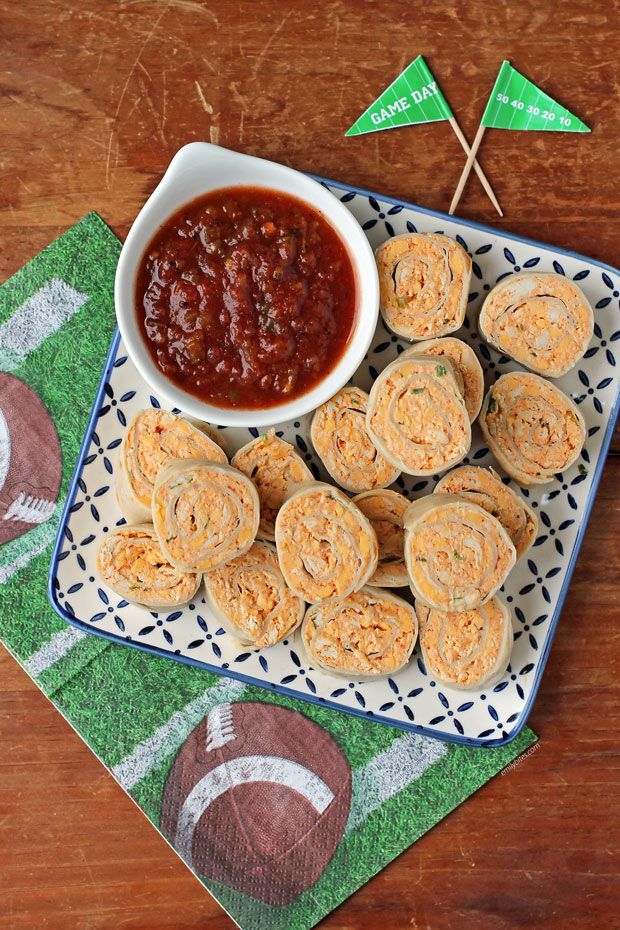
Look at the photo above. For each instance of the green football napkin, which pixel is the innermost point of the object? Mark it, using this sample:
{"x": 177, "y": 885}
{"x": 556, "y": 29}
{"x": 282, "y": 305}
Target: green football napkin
{"x": 281, "y": 808}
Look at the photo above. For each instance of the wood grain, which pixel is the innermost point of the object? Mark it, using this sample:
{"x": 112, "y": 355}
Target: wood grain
{"x": 96, "y": 97}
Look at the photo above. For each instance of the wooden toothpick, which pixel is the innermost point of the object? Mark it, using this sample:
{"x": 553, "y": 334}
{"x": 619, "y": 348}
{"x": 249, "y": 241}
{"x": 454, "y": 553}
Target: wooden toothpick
{"x": 481, "y": 175}
{"x": 467, "y": 169}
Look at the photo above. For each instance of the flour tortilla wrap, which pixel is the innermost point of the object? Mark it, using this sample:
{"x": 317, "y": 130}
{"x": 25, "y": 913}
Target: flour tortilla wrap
{"x": 467, "y": 365}
{"x": 424, "y": 284}
{"x": 484, "y": 487}
{"x": 204, "y": 513}
{"x": 251, "y": 600}
{"x": 417, "y": 417}
{"x": 458, "y": 556}
{"x": 326, "y": 546}
{"x": 532, "y": 428}
{"x": 341, "y": 440}
{"x": 366, "y": 635}
{"x": 130, "y": 561}
{"x": 275, "y": 468}
{"x": 467, "y": 649}
{"x": 386, "y": 509}
{"x": 153, "y": 437}
{"x": 542, "y": 320}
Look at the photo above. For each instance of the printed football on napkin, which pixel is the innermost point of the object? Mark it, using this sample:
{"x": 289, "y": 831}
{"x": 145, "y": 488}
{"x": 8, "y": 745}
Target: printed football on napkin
{"x": 282, "y": 809}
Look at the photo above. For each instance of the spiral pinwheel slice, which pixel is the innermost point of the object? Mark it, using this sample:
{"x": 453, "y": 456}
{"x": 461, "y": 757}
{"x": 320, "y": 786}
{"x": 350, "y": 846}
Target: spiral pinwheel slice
{"x": 386, "y": 510}
{"x": 368, "y": 634}
{"x": 251, "y": 600}
{"x": 326, "y": 546}
{"x": 458, "y": 556}
{"x": 532, "y": 428}
{"x": 342, "y": 442}
{"x": 205, "y": 514}
{"x": 485, "y": 487}
{"x": 542, "y": 320}
{"x": 467, "y": 649}
{"x": 152, "y": 438}
{"x": 275, "y": 468}
{"x": 130, "y": 561}
{"x": 417, "y": 417}
{"x": 467, "y": 365}
{"x": 424, "y": 283}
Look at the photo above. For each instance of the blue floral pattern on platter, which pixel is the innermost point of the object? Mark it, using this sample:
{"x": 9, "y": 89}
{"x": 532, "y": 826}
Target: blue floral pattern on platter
{"x": 535, "y": 590}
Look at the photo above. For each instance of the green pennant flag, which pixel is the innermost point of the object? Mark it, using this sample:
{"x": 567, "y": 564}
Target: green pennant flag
{"x": 516, "y": 103}
{"x": 414, "y": 97}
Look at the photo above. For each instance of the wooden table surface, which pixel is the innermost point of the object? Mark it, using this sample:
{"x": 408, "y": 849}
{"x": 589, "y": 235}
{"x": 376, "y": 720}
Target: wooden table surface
{"x": 97, "y": 96}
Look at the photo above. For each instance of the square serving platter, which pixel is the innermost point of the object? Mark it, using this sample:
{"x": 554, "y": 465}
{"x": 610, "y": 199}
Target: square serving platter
{"x": 535, "y": 590}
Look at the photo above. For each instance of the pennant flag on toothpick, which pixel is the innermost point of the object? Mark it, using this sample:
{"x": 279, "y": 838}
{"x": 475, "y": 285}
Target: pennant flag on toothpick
{"x": 516, "y": 103}
{"x": 414, "y": 98}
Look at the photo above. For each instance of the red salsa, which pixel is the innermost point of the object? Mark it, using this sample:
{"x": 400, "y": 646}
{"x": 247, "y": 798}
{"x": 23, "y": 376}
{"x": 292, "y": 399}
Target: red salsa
{"x": 246, "y": 297}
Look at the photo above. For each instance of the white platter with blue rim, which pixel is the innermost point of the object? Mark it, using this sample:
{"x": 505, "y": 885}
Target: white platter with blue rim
{"x": 535, "y": 590}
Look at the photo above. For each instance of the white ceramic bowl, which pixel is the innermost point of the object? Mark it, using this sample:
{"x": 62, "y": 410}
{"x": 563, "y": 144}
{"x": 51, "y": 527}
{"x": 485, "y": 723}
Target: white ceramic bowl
{"x": 196, "y": 169}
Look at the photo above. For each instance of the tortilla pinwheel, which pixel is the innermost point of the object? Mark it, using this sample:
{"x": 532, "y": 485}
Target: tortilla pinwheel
{"x": 341, "y": 440}
{"x": 251, "y": 600}
{"x": 130, "y": 561}
{"x": 417, "y": 416}
{"x": 532, "y": 428}
{"x": 424, "y": 284}
{"x": 368, "y": 634}
{"x": 326, "y": 546}
{"x": 204, "y": 513}
{"x": 275, "y": 468}
{"x": 386, "y": 509}
{"x": 542, "y": 320}
{"x": 458, "y": 556}
{"x": 466, "y": 649}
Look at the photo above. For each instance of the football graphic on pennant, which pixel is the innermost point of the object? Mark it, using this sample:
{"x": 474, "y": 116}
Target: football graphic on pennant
{"x": 30, "y": 459}
{"x": 258, "y": 798}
